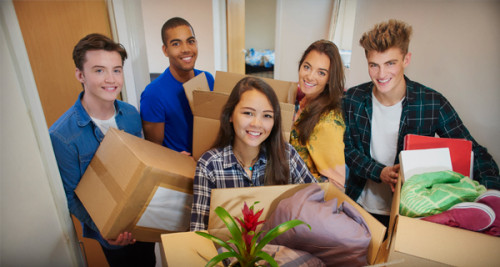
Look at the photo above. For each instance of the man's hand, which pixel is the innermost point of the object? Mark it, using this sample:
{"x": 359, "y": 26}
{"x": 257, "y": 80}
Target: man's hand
{"x": 123, "y": 239}
{"x": 389, "y": 175}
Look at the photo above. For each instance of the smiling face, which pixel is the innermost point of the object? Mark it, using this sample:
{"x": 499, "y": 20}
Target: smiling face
{"x": 101, "y": 76}
{"x": 314, "y": 74}
{"x": 386, "y": 71}
{"x": 181, "y": 48}
{"x": 253, "y": 120}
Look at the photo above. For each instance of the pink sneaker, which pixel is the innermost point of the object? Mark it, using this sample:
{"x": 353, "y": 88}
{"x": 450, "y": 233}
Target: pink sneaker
{"x": 467, "y": 215}
{"x": 491, "y": 198}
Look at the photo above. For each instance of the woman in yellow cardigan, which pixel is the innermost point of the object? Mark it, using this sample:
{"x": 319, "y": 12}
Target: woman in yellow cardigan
{"x": 318, "y": 131}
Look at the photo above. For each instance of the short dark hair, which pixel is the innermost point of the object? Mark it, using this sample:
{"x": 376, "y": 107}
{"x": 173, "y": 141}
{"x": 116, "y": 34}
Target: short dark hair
{"x": 387, "y": 34}
{"x": 95, "y": 41}
{"x": 277, "y": 168}
{"x": 173, "y": 23}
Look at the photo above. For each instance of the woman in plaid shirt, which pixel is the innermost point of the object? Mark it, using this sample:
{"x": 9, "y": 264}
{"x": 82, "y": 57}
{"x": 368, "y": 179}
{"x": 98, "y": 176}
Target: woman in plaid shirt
{"x": 250, "y": 149}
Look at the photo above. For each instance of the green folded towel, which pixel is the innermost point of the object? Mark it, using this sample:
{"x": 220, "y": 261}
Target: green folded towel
{"x": 434, "y": 192}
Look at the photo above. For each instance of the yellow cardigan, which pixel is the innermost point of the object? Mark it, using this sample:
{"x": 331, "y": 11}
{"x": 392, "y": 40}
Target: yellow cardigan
{"x": 324, "y": 151}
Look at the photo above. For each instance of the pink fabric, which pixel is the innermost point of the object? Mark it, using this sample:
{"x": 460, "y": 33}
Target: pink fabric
{"x": 339, "y": 236}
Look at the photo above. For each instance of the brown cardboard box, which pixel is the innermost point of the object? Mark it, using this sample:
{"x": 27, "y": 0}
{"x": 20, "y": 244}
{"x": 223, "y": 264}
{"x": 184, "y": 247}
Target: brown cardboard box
{"x": 137, "y": 186}
{"x": 207, "y": 106}
{"x": 191, "y": 253}
{"x": 414, "y": 242}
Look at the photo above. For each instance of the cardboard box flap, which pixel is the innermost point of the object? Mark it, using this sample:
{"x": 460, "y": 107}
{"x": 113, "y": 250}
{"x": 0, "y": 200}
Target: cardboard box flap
{"x": 154, "y": 155}
{"x": 199, "y": 83}
{"x": 208, "y": 104}
{"x": 287, "y": 111}
{"x": 269, "y": 197}
{"x": 467, "y": 248}
{"x": 225, "y": 82}
{"x": 196, "y": 250}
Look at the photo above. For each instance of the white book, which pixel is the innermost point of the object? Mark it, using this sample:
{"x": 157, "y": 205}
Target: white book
{"x": 420, "y": 161}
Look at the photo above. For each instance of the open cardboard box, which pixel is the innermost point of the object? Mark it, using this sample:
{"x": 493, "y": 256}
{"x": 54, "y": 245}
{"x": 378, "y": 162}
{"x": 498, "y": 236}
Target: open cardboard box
{"x": 189, "y": 249}
{"x": 414, "y": 242}
{"x": 207, "y": 106}
{"x": 137, "y": 186}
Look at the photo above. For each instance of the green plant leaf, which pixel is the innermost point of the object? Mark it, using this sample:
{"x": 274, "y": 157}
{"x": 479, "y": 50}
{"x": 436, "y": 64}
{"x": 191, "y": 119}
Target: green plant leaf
{"x": 263, "y": 255}
{"x": 216, "y": 240}
{"x": 278, "y": 230}
{"x": 232, "y": 227}
{"x": 220, "y": 257}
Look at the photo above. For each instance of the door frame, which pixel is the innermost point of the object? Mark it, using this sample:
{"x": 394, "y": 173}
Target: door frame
{"x": 127, "y": 27}
{"x": 29, "y": 91}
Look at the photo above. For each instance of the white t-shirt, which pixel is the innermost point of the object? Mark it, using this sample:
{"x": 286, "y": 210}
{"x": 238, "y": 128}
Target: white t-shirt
{"x": 377, "y": 197}
{"x": 105, "y": 124}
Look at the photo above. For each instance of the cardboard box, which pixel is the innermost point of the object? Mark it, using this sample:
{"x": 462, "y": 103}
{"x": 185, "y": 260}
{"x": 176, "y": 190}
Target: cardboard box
{"x": 207, "y": 106}
{"x": 188, "y": 252}
{"x": 137, "y": 186}
{"x": 414, "y": 242}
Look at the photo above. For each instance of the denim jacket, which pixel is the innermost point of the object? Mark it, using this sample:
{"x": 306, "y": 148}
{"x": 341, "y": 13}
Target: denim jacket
{"x": 75, "y": 139}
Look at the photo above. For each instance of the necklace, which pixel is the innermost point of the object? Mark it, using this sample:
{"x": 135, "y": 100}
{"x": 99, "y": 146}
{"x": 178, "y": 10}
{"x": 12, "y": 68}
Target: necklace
{"x": 250, "y": 168}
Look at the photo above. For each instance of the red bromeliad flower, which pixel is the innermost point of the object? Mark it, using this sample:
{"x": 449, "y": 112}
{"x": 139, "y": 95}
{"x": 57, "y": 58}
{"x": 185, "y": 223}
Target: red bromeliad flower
{"x": 249, "y": 224}
{"x": 240, "y": 246}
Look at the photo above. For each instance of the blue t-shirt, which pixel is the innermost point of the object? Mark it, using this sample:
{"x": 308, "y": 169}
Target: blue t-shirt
{"x": 164, "y": 100}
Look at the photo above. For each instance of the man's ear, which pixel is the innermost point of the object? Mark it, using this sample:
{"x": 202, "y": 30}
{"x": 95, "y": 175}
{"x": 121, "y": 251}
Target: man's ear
{"x": 407, "y": 59}
{"x": 164, "y": 49}
{"x": 79, "y": 75}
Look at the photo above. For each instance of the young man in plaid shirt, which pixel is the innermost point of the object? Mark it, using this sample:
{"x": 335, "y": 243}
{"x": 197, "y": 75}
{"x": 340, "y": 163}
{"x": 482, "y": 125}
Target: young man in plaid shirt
{"x": 379, "y": 114}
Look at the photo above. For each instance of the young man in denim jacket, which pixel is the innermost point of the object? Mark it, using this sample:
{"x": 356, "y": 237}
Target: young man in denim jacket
{"x": 76, "y": 135}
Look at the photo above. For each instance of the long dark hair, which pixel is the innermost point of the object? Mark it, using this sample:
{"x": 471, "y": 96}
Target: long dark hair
{"x": 277, "y": 168}
{"x": 330, "y": 98}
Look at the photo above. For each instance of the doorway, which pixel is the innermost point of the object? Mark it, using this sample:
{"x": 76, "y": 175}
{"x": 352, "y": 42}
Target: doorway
{"x": 260, "y": 28}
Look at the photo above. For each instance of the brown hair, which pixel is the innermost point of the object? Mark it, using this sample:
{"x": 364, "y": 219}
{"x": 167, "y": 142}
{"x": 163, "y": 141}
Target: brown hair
{"x": 385, "y": 35}
{"x": 330, "y": 98}
{"x": 277, "y": 168}
{"x": 95, "y": 41}
{"x": 173, "y": 23}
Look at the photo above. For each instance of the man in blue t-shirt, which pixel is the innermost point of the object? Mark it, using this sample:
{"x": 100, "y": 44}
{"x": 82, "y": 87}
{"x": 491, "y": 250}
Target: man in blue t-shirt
{"x": 166, "y": 116}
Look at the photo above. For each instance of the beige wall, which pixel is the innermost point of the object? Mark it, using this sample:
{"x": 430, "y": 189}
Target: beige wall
{"x": 198, "y": 13}
{"x": 33, "y": 208}
{"x": 454, "y": 51}
{"x": 299, "y": 24}
{"x": 260, "y": 21}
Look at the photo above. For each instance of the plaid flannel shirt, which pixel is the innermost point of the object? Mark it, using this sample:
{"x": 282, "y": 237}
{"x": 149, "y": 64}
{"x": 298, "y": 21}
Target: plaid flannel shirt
{"x": 218, "y": 168}
{"x": 425, "y": 112}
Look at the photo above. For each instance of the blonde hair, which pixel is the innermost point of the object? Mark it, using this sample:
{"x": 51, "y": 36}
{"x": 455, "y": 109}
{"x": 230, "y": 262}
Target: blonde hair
{"x": 385, "y": 35}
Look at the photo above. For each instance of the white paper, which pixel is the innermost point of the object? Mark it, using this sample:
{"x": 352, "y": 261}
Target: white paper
{"x": 168, "y": 210}
{"x": 420, "y": 161}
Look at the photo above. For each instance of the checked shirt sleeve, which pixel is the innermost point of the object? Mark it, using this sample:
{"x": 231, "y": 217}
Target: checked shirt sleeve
{"x": 357, "y": 140}
{"x": 451, "y": 126}
{"x": 202, "y": 186}
{"x": 299, "y": 173}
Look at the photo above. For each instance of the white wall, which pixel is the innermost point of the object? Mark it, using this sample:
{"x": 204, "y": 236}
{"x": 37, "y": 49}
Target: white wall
{"x": 455, "y": 50}
{"x": 35, "y": 227}
{"x": 199, "y": 15}
{"x": 260, "y": 20}
{"x": 299, "y": 23}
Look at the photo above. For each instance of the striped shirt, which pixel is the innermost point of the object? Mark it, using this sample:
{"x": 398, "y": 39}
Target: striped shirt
{"x": 425, "y": 112}
{"x": 218, "y": 168}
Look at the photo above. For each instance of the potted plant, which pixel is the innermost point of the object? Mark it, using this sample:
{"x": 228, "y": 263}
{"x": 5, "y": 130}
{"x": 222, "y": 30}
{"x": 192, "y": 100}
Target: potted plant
{"x": 248, "y": 251}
